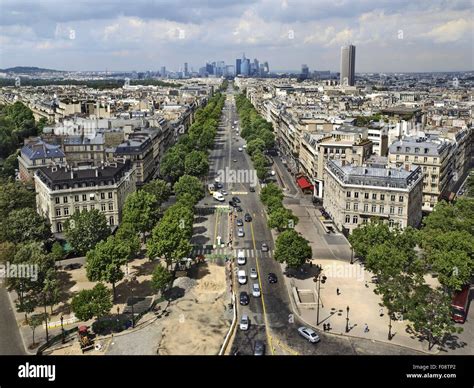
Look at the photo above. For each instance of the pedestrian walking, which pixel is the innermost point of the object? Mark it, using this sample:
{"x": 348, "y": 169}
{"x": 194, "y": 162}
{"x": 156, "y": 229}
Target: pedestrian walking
{"x": 381, "y": 311}
{"x": 324, "y": 326}
{"x": 366, "y": 284}
{"x": 366, "y": 328}
{"x": 337, "y": 291}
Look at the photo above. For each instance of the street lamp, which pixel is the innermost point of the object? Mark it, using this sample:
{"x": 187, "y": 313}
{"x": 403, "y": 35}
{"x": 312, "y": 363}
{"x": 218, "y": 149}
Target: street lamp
{"x": 319, "y": 278}
{"x": 352, "y": 255}
{"x": 347, "y": 320}
{"x": 62, "y": 329}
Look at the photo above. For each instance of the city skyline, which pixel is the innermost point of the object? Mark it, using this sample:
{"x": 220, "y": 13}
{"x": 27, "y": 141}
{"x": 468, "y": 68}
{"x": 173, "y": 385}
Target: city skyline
{"x": 424, "y": 37}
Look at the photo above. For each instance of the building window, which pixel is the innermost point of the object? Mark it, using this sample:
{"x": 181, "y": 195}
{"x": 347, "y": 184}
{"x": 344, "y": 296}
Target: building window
{"x": 374, "y": 208}
{"x": 382, "y": 197}
{"x": 92, "y": 196}
{"x": 397, "y": 158}
{"x": 93, "y": 207}
{"x": 392, "y": 198}
{"x": 56, "y": 200}
{"x": 348, "y": 194}
{"x": 102, "y": 195}
{"x": 58, "y": 212}
{"x": 76, "y": 209}
{"x": 400, "y": 198}
{"x": 425, "y": 159}
{"x": 366, "y": 208}
{"x": 435, "y": 160}
{"x": 110, "y": 195}
{"x": 84, "y": 207}
{"x": 348, "y": 219}
{"x": 76, "y": 198}
{"x": 366, "y": 195}
{"x": 355, "y": 219}
{"x": 390, "y": 223}
{"x": 59, "y": 226}
{"x": 356, "y": 194}
{"x": 102, "y": 207}
{"x": 356, "y": 206}
{"x": 392, "y": 210}
{"x": 406, "y": 158}
{"x": 66, "y": 211}
{"x": 84, "y": 197}
{"x": 374, "y": 196}
{"x": 381, "y": 209}
{"x": 111, "y": 206}
{"x": 111, "y": 220}
{"x": 400, "y": 211}
{"x": 364, "y": 221}
{"x": 64, "y": 199}
{"x": 416, "y": 158}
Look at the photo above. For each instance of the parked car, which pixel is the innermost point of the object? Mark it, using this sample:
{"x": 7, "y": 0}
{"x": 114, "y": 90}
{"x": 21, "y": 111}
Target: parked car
{"x": 72, "y": 266}
{"x": 264, "y": 247}
{"x": 240, "y": 222}
{"x": 309, "y": 334}
{"x": 232, "y": 203}
{"x": 244, "y": 322}
{"x": 236, "y": 199}
{"x": 244, "y": 298}
{"x": 255, "y": 290}
{"x": 272, "y": 278}
{"x": 247, "y": 217}
{"x": 241, "y": 276}
{"x": 252, "y": 189}
{"x": 241, "y": 259}
{"x": 240, "y": 232}
{"x": 253, "y": 273}
{"x": 239, "y": 209}
{"x": 240, "y": 149}
{"x": 259, "y": 349}
{"x": 223, "y": 192}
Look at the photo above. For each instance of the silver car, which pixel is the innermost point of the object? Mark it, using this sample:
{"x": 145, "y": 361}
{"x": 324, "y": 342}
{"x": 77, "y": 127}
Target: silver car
{"x": 309, "y": 334}
{"x": 253, "y": 273}
{"x": 240, "y": 232}
{"x": 244, "y": 322}
{"x": 255, "y": 290}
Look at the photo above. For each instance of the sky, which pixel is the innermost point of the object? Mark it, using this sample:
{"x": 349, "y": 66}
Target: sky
{"x": 389, "y": 35}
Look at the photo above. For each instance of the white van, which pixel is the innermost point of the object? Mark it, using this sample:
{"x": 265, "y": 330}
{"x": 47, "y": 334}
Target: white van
{"x": 242, "y": 277}
{"x": 218, "y": 196}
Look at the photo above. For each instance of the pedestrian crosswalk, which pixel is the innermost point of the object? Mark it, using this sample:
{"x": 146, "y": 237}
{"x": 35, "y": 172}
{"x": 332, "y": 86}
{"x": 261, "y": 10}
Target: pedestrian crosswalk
{"x": 249, "y": 252}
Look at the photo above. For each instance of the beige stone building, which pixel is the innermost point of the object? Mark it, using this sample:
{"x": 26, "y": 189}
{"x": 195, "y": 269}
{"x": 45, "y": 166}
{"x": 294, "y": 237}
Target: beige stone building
{"x": 355, "y": 194}
{"x": 62, "y": 191}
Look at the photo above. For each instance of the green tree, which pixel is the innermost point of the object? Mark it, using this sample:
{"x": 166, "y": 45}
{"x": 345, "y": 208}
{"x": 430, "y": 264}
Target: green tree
{"x": 368, "y": 235}
{"x": 9, "y": 167}
{"x": 23, "y": 225}
{"x": 271, "y": 191}
{"x": 140, "y": 210}
{"x": 13, "y": 196}
{"x": 281, "y": 219}
{"x": 196, "y": 164}
{"x": 105, "y": 261}
{"x": 268, "y": 137}
{"x": 190, "y": 185}
{"x": 430, "y": 314}
{"x": 33, "y": 322}
{"x": 127, "y": 234}
{"x": 57, "y": 251}
{"x": 85, "y": 229}
{"x": 292, "y": 249}
{"x": 159, "y": 188}
{"x": 255, "y": 145}
{"x": 161, "y": 278}
{"x": 172, "y": 164}
{"x": 96, "y": 302}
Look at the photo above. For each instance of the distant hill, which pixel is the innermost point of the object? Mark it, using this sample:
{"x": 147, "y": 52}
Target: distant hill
{"x": 28, "y": 69}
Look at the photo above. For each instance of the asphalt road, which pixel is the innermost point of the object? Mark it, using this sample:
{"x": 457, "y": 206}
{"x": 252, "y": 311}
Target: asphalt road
{"x": 10, "y": 339}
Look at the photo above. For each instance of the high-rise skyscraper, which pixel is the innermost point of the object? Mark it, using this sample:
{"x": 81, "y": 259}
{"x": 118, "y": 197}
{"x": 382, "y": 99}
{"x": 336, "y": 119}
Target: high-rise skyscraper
{"x": 163, "y": 71}
{"x": 238, "y": 64}
{"x": 245, "y": 66}
{"x": 304, "y": 71}
{"x": 348, "y": 54}
{"x": 186, "y": 69}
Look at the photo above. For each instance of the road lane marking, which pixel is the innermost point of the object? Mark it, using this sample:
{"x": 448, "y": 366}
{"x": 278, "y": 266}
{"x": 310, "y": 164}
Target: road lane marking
{"x": 269, "y": 337}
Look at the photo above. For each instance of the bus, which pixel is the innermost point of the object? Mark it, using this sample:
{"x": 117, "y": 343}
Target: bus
{"x": 460, "y": 304}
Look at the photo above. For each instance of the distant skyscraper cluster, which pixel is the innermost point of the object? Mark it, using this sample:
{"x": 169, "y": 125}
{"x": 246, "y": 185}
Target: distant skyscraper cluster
{"x": 244, "y": 67}
{"x": 348, "y": 65}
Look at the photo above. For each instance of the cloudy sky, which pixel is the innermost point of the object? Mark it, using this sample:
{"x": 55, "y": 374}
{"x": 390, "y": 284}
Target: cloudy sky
{"x": 390, "y": 35}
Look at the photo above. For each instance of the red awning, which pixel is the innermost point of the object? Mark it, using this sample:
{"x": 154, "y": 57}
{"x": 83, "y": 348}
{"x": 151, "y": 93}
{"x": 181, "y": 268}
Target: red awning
{"x": 304, "y": 184}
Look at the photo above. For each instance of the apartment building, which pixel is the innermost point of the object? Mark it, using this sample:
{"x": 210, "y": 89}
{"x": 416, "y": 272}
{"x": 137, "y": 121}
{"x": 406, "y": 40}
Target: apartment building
{"x": 62, "y": 191}
{"x": 356, "y": 194}
{"x": 433, "y": 154}
{"x": 35, "y": 154}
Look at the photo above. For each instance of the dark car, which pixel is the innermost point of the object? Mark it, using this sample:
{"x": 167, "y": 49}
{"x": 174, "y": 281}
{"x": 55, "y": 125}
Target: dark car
{"x": 272, "y": 278}
{"x": 252, "y": 189}
{"x": 232, "y": 203}
{"x": 244, "y": 298}
{"x": 247, "y": 217}
{"x": 72, "y": 266}
{"x": 240, "y": 222}
{"x": 259, "y": 348}
{"x": 236, "y": 199}
{"x": 239, "y": 209}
